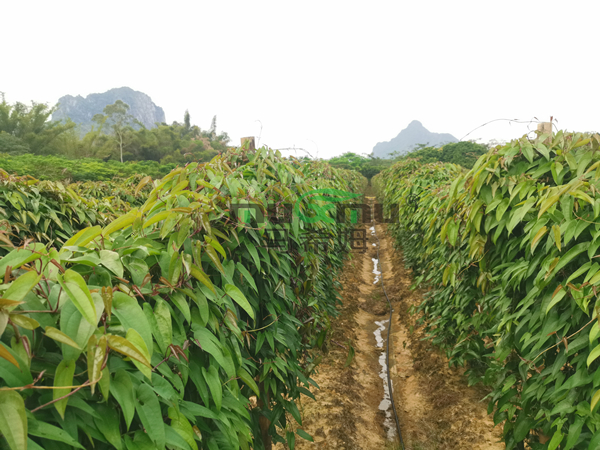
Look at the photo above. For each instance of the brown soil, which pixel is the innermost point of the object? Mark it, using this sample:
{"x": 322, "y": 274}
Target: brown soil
{"x": 436, "y": 408}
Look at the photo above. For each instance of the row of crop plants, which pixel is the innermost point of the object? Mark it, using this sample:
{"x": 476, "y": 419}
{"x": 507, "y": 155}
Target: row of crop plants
{"x": 168, "y": 321}
{"x": 51, "y": 212}
{"x": 509, "y": 253}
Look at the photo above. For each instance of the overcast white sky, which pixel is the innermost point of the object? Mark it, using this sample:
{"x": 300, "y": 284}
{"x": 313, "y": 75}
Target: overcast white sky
{"x": 327, "y": 76}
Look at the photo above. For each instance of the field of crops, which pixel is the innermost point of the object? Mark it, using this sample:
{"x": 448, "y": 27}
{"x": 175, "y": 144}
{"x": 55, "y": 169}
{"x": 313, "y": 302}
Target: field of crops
{"x": 185, "y": 312}
{"x": 152, "y": 314}
{"x": 508, "y": 252}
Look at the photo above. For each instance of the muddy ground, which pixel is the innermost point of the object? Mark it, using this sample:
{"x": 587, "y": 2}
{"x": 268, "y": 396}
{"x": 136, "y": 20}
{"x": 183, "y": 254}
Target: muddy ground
{"x": 436, "y": 408}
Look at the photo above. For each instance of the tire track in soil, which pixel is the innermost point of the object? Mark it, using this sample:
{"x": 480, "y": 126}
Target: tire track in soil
{"x": 436, "y": 407}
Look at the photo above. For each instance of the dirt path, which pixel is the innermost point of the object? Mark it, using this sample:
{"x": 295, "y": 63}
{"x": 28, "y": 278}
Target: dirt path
{"x": 437, "y": 410}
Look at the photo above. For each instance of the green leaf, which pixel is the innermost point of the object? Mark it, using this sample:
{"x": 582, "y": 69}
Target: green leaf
{"x": 47, "y": 431}
{"x": 202, "y": 304}
{"x": 5, "y": 354}
{"x": 199, "y": 274}
{"x": 291, "y": 439}
{"x": 138, "y": 270}
{"x": 247, "y": 275}
{"x": 108, "y": 424}
{"x": 120, "y": 223}
{"x": 239, "y": 298}
{"x": 123, "y": 346}
{"x": 112, "y": 261}
{"x": 174, "y": 439}
{"x": 209, "y": 344}
{"x": 164, "y": 322}
{"x": 18, "y": 257}
{"x": 304, "y": 435}
{"x": 13, "y": 421}
{"x": 556, "y": 230}
{"x": 76, "y": 288}
{"x": 95, "y": 357}
{"x": 134, "y": 338}
{"x": 214, "y": 384}
{"x": 562, "y": 407}
{"x": 148, "y": 409}
{"x": 527, "y": 150}
{"x": 198, "y": 410}
{"x": 131, "y": 315}
{"x": 215, "y": 244}
{"x": 567, "y": 257}
{"x": 593, "y": 355}
{"x": 518, "y": 214}
{"x": 546, "y": 204}
{"x": 453, "y": 227}
{"x": 169, "y": 224}
{"x": 291, "y": 407}
{"x": 541, "y": 232}
{"x": 77, "y": 328}
{"x": 595, "y": 442}
{"x": 162, "y": 215}
{"x": 32, "y": 445}
{"x": 123, "y": 391}
{"x": 83, "y": 237}
{"x": 556, "y": 439}
{"x": 214, "y": 258}
{"x": 63, "y": 377}
{"x": 14, "y": 374}
{"x": 522, "y": 428}
{"x": 248, "y": 380}
{"x": 24, "y": 322}
{"x": 574, "y": 432}
{"x": 253, "y": 253}
{"x": 502, "y": 207}
{"x": 19, "y": 288}
{"x": 61, "y": 337}
{"x": 557, "y": 297}
{"x": 179, "y": 300}
{"x": 182, "y": 426}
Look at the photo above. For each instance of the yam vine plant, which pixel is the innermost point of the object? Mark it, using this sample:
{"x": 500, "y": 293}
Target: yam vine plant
{"x": 50, "y": 211}
{"x": 175, "y": 325}
{"x": 509, "y": 252}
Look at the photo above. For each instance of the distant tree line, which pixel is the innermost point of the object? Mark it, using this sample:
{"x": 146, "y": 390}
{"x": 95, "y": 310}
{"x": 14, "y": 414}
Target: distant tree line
{"x": 462, "y": 153}
{"x": 115, "y": 135}
{"x": 367, "y": 165}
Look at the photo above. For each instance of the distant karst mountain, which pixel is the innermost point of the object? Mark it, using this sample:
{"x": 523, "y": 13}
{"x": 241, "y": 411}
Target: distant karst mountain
{"x": 81, "y": 110}
{"x": 414, "y": 134}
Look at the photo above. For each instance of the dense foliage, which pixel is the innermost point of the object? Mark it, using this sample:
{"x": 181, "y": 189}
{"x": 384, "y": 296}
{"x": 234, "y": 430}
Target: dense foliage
{"x": 50, "y": 212}
{"x": 367, "y": 166}
{"x": 28, "y": 130}
{"x": 463, "y": 153}
{"x": 60, "y": 168}
{"x": 175, "y": 325}
{"x": 509, "y": 253}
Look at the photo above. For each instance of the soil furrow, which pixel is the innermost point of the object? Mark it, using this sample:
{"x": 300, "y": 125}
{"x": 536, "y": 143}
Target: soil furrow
{"x": 437, "y": 410}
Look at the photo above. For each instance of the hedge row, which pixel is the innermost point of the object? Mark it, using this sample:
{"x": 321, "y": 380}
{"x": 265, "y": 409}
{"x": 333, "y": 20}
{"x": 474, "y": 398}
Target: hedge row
{"x": 509, "y": 252}
{"x": 60, "y": 168}
{"x": 176, "y": 325}
{"x": 51, "y": 212}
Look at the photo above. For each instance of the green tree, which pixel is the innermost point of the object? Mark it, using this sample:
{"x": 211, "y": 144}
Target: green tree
{"x": 12, "y": 144}
{"x": 119, "y": 121}
{"x": 463, "y": 153}
{"x": 186, "y": 121}
{"x": 31, "y": 127}
{"x": 213, "y": 127}
{"x": 368, "y": 165}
